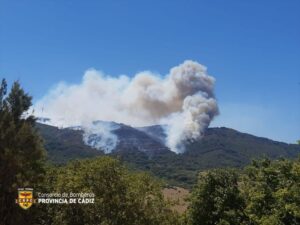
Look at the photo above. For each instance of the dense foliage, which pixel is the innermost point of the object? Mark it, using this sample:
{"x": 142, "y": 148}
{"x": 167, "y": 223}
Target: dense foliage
{"x": 272, "y": 192}
{"x": 21, "y": 153}
{"x": 121, "y": 197}
{"x": 264, "y": 193}
{"x": 216, "y": 199}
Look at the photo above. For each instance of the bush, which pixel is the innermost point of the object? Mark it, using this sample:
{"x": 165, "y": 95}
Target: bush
{"x": 216, "y": 199}
{"x": 264, "y": 193}
{"x": 122, "y": 197}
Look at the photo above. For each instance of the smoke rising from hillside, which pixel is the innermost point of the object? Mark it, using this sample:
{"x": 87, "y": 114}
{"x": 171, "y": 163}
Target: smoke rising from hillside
{"x": 100, "y": 135}
{"x": 183, "y": 99}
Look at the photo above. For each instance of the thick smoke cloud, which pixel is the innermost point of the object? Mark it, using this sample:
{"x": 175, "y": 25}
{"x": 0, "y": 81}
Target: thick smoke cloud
{"x": 184, "y": 100}
{"x": 100, "y": 135}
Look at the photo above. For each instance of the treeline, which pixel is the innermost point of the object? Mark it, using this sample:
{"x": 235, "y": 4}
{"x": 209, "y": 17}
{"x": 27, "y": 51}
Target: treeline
{"x": 266, "y": 192}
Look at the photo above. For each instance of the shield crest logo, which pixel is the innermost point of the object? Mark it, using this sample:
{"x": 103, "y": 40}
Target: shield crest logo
{"x": 25, "y": 197}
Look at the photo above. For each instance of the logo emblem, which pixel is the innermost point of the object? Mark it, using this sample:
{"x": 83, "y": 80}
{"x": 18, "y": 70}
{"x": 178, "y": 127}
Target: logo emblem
{"x": 25, "y": 197}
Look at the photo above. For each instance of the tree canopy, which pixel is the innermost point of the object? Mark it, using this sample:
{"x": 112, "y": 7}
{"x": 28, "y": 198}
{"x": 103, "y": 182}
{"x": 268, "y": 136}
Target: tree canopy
{"x": 264, "y": 193}
{"x": 122, "y": 197}
{"x": 21, "y": 152}
{"x": 216, "y": 199}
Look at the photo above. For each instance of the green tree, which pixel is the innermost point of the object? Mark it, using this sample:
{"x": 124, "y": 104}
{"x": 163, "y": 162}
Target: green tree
{"x": 21, "y": 153}
{"x": 216, "y": 199}
{"x": 122, "y": 197}
{"x": 272, "y": 192}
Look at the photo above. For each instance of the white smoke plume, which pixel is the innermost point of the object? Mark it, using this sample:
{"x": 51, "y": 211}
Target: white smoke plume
{"x": 99, "y": 135}
{"x": 183, "y": 99}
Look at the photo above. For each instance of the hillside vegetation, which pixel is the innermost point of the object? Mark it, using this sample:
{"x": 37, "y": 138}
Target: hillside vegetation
{"x": 219, "y": 148}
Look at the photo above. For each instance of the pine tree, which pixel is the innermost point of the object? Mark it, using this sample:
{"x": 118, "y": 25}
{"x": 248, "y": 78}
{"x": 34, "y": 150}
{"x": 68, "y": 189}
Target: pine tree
{"x": 21, "y": 153}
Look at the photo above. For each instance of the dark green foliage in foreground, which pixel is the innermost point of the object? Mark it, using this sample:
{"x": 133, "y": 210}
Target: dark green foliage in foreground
{"x": 265, "y": 193}
{"x": 21, "y": 154}
{"x": 272, "y": 192}
{"x": 217, "y": 199}
{"x": 122, "y": 197}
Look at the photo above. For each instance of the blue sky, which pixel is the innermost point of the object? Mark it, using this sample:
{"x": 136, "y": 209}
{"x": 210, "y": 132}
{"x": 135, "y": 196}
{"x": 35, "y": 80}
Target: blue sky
{"x": 252, "y": 48}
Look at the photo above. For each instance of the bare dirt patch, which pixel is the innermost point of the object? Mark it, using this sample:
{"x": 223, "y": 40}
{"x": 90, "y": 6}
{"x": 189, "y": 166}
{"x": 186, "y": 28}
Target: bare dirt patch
{"x": 178, "y": 196}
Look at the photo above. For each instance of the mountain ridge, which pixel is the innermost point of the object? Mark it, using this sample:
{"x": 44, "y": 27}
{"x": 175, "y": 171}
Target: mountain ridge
{"x": 142, "y": 148}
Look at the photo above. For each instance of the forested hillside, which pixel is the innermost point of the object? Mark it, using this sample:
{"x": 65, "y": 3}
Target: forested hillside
{"x": 141, "y": 149}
